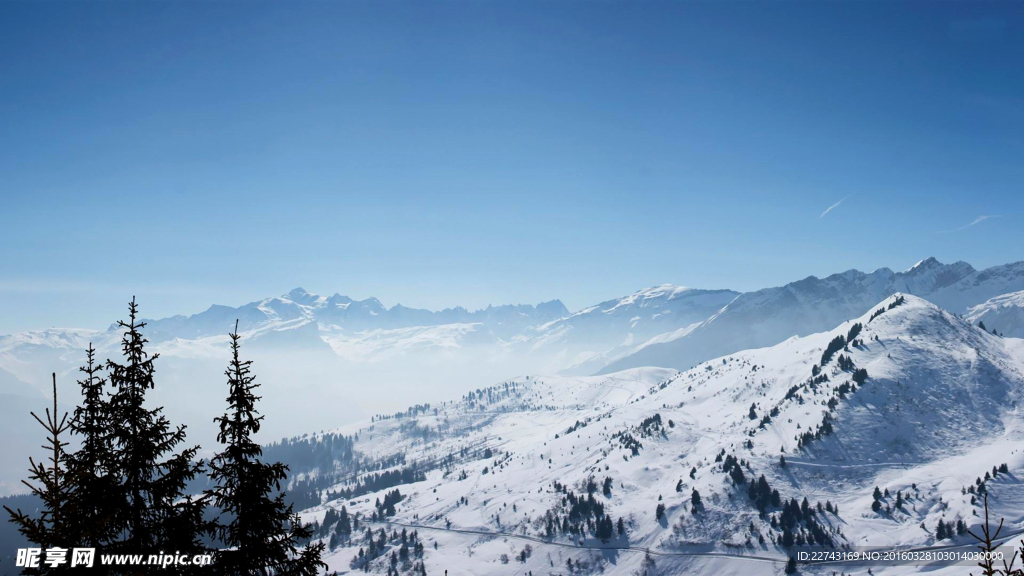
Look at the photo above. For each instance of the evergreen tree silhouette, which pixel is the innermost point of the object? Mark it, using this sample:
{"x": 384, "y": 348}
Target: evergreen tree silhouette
{"x": 151, "y": 509}
{"x": 91, "y": 464}
{"x": 264, "y": 534}
{"x": 56, "y": 524}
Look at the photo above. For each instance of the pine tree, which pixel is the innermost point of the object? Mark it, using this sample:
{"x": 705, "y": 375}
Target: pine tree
{"x": 737, "y": 475}
{"x": 605, "y": 529}
{"x": 56, "y": 525}
{"x": 91, "y": 464}
{"x": 151, "y": 509}
{"x": 265, "y": 533}
{"x": 344, "y": 526}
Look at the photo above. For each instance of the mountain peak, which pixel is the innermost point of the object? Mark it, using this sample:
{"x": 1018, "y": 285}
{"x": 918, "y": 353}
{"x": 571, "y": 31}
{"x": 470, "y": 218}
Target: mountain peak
{"x": 297, "y": 294}
{"x": 928, "y": 262}
{"x": 553, "y": 308}
{"x": 660, "y": 290}
{"x": 931, "y": 263}
{"x": 338, "y": 298}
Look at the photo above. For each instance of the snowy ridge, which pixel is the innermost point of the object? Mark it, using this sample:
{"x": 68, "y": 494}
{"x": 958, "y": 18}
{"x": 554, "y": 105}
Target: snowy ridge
{"x": 1004, "y": 314}
{"x": 769, "y": 316}
{"x": 347, "y": 351}
{"x": 667, "y": 325}
{"x": 937, "y": 407}
{"x": 597, "y": 335}
{"x": 339, "y": 312}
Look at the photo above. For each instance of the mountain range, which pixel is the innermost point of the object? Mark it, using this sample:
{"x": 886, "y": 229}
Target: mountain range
{"x": 785, "y": 447}
{"x": 359, "y": 357}
{"x": 766, "y": 317}
{"x": 668, "y": 325}
{"x": 677, "y": 430}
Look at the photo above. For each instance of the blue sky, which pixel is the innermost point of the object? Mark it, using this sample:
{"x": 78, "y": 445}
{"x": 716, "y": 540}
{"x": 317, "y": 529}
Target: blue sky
{"x": 440, "y": 154}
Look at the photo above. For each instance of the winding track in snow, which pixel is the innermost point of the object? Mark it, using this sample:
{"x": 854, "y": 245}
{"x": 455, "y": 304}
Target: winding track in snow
{"x": 764, "y": 559}
{"x": 544, "y": 542}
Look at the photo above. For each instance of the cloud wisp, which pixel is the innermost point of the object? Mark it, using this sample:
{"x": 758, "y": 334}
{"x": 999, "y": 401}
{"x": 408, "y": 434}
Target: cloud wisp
{"x": 834, "y": 206}
{"x": 974, "y": 222}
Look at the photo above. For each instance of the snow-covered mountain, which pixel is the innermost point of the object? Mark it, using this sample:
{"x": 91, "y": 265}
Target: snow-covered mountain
{"x": 341, "y": 313}
{"x": 355, "y": 357}
{"x": 299, "y": 322}
{"x": 533, "y": 475}
{"x": 1004, "y": 314}
{"x": 588, "y": 339}
{"x": 358, "y": 357}
{"x": 769, "y": 316}
{"x": 666, "y": 325}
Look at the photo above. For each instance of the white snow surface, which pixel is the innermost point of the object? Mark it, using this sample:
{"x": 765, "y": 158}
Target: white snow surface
{"x": 1004, "y": 314}
{"x": 940, "y": 408}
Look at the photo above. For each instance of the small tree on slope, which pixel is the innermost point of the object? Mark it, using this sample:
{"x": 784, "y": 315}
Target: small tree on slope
{"x": 988, "y": 543}
{"x": 264, "y": 534}
{"x": 55, "y": 526}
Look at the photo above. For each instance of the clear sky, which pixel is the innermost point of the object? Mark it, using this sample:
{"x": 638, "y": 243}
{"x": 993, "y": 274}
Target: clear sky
{"x": 440, "y": 154}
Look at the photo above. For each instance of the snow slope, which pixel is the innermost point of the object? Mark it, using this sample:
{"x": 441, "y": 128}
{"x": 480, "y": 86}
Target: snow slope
{"x": 938, "y": 408}
{"x": 1003, "y": 313}
{"x": 596, "y": 335}
{"x": 346, "y": 352}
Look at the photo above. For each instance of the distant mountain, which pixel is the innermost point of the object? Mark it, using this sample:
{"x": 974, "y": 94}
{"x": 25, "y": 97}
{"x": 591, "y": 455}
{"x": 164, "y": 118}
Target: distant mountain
{"x": 769, "y": 316}
{"x": 588, "y": 339}
{"x": 526, "y": 472}
{"x": 340, "y": 312}
{"x": 1003, "y": 313}
{"x": 326, "y": 358}
{"x": 668, "y": 325}
{"x": 322, "y": 359}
